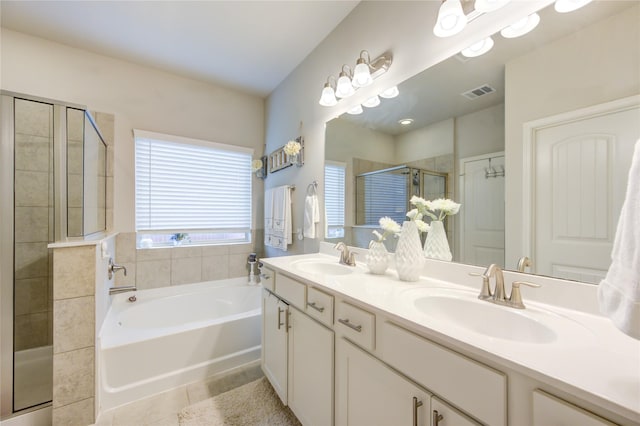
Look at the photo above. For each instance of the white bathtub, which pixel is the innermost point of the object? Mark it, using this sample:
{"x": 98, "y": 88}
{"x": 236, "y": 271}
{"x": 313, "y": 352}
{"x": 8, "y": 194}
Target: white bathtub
{"x": 176, "y": 335}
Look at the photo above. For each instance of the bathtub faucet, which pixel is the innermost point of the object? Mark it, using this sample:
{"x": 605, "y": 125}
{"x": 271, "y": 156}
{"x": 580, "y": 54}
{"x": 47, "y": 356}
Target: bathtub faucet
{"x": 252, "y": 260}
{"x": 113, "y": 268}
{"x": 122, "y": 289}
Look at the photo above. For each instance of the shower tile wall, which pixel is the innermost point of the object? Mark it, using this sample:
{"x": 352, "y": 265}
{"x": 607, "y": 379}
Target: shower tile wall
{"x": 161, "y": 267}
{"x": 33, "y": 224}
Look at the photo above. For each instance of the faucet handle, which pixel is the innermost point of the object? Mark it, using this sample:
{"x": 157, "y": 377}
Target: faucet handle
{"x": 485, "y": 291}
{"x": 515, "y": 300}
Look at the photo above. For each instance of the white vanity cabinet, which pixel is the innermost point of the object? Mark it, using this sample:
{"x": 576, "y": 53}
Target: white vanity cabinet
{"x": 550, "y": 410}
{"x": 275, "y": 342}
{"x": 298, "y": 352}
{"x": 369, "y": 393}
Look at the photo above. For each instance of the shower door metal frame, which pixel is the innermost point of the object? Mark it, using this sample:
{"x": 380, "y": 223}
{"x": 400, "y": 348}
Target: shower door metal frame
{"x": 7, "y": 181}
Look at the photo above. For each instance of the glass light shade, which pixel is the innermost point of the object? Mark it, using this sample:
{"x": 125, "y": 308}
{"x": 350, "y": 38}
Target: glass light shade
{"x": 485, "y": 6}
{"x": 344, "y": 88}
{"x": 521, "y": 27}
{"x": 451, "y": 19}
{"x": 478, "y": 48}
{"x": 328, "y": 97}
{"x": 564, "y": 6}
{"x": 362, "y": 74}
{"x": 355, "y": 110}
{"x": 391, "y": 92}
{"x": 373, "y": 101}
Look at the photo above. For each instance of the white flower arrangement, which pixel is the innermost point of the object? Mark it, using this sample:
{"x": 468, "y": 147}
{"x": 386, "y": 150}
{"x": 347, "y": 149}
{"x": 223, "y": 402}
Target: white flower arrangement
{"x": 416, "y": 215}
{"x": 256, "y": 165}
{"x": 292, "y": 148}
{"x": 389, "y": 227}
{"x": 436, "y": 209}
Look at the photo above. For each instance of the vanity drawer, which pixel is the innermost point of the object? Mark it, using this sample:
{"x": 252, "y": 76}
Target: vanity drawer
{"x": 320, "y": 306}
{"x": 548, "y": 410}
{"x": 473, "y": 387}
{"x": 356, "y": 325}
{"x": 291, "y": 290}
{"x": 268, "y": 278}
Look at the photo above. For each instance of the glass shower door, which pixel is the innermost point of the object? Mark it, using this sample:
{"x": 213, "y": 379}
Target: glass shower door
{"x": 33, "y": 230}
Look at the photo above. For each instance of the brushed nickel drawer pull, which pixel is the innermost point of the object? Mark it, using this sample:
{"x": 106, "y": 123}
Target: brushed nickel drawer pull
{"x": 316, "y": 307}
{"x": 416, "y": 404}
{"x": 437, "y": 417}
{"x": 280, "y": 323}
{"x": 265, "y": 276}
{"x": 346, "y": 322}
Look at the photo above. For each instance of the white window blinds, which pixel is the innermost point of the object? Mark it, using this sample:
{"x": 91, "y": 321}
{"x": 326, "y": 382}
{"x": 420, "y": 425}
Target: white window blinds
{"x": 185, "y": 184}
{"x": 334, "y": 181}
{"x": 385, "y": 194}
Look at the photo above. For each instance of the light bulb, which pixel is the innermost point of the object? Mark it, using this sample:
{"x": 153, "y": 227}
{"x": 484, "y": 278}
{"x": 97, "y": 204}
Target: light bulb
{"x": 451, "y": 19}
{"x": 564, "y": 6}
{"x": 328, "y": 97}
{"x": 406, "y": 121}
{"x": 355, "y": 110}
{"x": 344, "y": 88}
{"x": 521, "y": 27}
{"x": 478, "y": 48}
{"x": 391, "y": 92}
{"x": 372, "y": 102}
{"x": 485, "y": 6}
{"x": 361, "y": 74}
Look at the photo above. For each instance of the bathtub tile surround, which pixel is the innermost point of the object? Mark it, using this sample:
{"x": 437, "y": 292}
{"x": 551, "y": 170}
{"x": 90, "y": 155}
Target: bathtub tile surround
{"x": 73, "y": 374}
{"x": 162, "y": 409}
{"x": 72, "y": 314}
{"x": 77, "y": 413}
{"x": 166, "y": 266}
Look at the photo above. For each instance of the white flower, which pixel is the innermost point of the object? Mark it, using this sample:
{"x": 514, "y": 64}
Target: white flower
{"x": 389, "y": 226}
{"x": 414, "y": 215}
{"x": 445, "y": 206}
{"x": 256, "y": 165}
{"x": 292, "y": 148}
{"x": 422, "y": 226}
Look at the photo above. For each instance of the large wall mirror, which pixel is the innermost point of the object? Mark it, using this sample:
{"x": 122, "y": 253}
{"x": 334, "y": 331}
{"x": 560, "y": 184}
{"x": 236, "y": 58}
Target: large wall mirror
{"x": 533, "y": 138}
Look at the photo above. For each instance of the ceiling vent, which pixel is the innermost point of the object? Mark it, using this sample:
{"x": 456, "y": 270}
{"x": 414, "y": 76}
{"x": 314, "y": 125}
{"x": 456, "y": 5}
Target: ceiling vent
{"x": 478, "y": 91}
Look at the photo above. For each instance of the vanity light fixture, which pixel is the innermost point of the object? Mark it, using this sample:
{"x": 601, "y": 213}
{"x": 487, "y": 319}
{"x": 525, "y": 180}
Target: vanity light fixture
{"x": 485, "y": 6}
{"x": 365, "y": 72}
{"x": 564, "y": 6}
{"x": 391, "y": 92}
{"x": 372, "y": 102}
{"x": 478, "y": 48}
{"x": 355, "y": 110}
{"x": 344, "y": 88}
{"x": 521, "y": 27}
{"x": 451, "y": 19}
{"x": 328, "y": 97}
{"x": 406, "y": 121}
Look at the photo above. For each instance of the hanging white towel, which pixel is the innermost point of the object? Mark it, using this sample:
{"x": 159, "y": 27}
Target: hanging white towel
{"x": 311, "y": 216}
{"x": 619, "y": 292}
{"x": 277, "y": 232}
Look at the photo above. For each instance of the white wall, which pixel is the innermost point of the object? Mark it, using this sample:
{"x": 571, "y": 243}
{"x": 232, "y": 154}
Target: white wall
{"x": 139, "y": 97}
{"x": 574, "y": 72}
{"x": 402, "y": 27}
{"x": 481, "y": 132}
{"x": 427, "y": 142}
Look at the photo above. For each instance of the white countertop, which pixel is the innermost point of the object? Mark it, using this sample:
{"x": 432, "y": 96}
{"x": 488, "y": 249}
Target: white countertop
{"x": 590, "y": 358}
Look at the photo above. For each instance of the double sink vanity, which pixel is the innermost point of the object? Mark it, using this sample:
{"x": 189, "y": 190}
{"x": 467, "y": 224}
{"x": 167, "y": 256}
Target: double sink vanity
{"x": 343, "y": 346}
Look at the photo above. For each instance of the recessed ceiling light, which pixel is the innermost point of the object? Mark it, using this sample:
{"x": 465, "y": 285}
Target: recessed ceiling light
{"x": 406, "y": 121}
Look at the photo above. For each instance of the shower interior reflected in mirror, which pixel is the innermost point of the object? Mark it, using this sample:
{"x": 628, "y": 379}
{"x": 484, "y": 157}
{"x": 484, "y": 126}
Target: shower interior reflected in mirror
{"x": 54, "y": 187}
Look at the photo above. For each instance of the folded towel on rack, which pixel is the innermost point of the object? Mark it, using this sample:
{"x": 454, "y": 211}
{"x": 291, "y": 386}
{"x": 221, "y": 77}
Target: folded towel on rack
{"x": 619, "y": 292}
{"x": 311, "y": 215}
{"x": 277, "y": 230}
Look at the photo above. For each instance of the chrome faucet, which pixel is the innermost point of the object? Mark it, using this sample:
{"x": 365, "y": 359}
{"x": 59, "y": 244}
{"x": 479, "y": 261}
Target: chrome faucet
{"x": 498, "y": 296}
{"x": 253, "y": 263}
{"x": 346, "y": 257}
{"x": 122, "y": 289}
{"x": 113, "y": 268}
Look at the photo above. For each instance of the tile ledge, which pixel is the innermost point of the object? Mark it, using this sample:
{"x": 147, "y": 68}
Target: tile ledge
{"x": 91, "y": 240}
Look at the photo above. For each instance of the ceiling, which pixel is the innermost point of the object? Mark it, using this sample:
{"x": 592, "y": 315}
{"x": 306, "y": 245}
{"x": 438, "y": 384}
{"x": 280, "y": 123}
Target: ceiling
{"x": 246, "y": 45}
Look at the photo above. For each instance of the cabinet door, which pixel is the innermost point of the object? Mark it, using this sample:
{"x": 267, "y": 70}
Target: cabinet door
{"x": 274, "y": 342}
{"x": 369, "y": 393}
{"x": 442, "y": 414}
{"x": 549, "y": 410}
{"x": 310, "y": 370}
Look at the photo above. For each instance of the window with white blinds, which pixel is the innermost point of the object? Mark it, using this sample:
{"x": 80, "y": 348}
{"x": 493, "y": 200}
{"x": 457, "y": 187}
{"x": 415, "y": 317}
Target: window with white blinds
{"x": 187, "y": 186}
{"x": 385, "y": 194}
{"x": 334, "y": 181}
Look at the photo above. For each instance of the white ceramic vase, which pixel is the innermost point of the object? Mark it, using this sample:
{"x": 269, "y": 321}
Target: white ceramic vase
{"x": 436, "y": 246}
{"x": 377, "y": 258}
{"x": 409, "y": 255}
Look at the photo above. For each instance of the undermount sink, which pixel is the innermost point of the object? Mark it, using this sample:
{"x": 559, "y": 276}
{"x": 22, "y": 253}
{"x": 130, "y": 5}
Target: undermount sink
{"x": 464, "y": 310}
{"x": 323, "y": 267}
